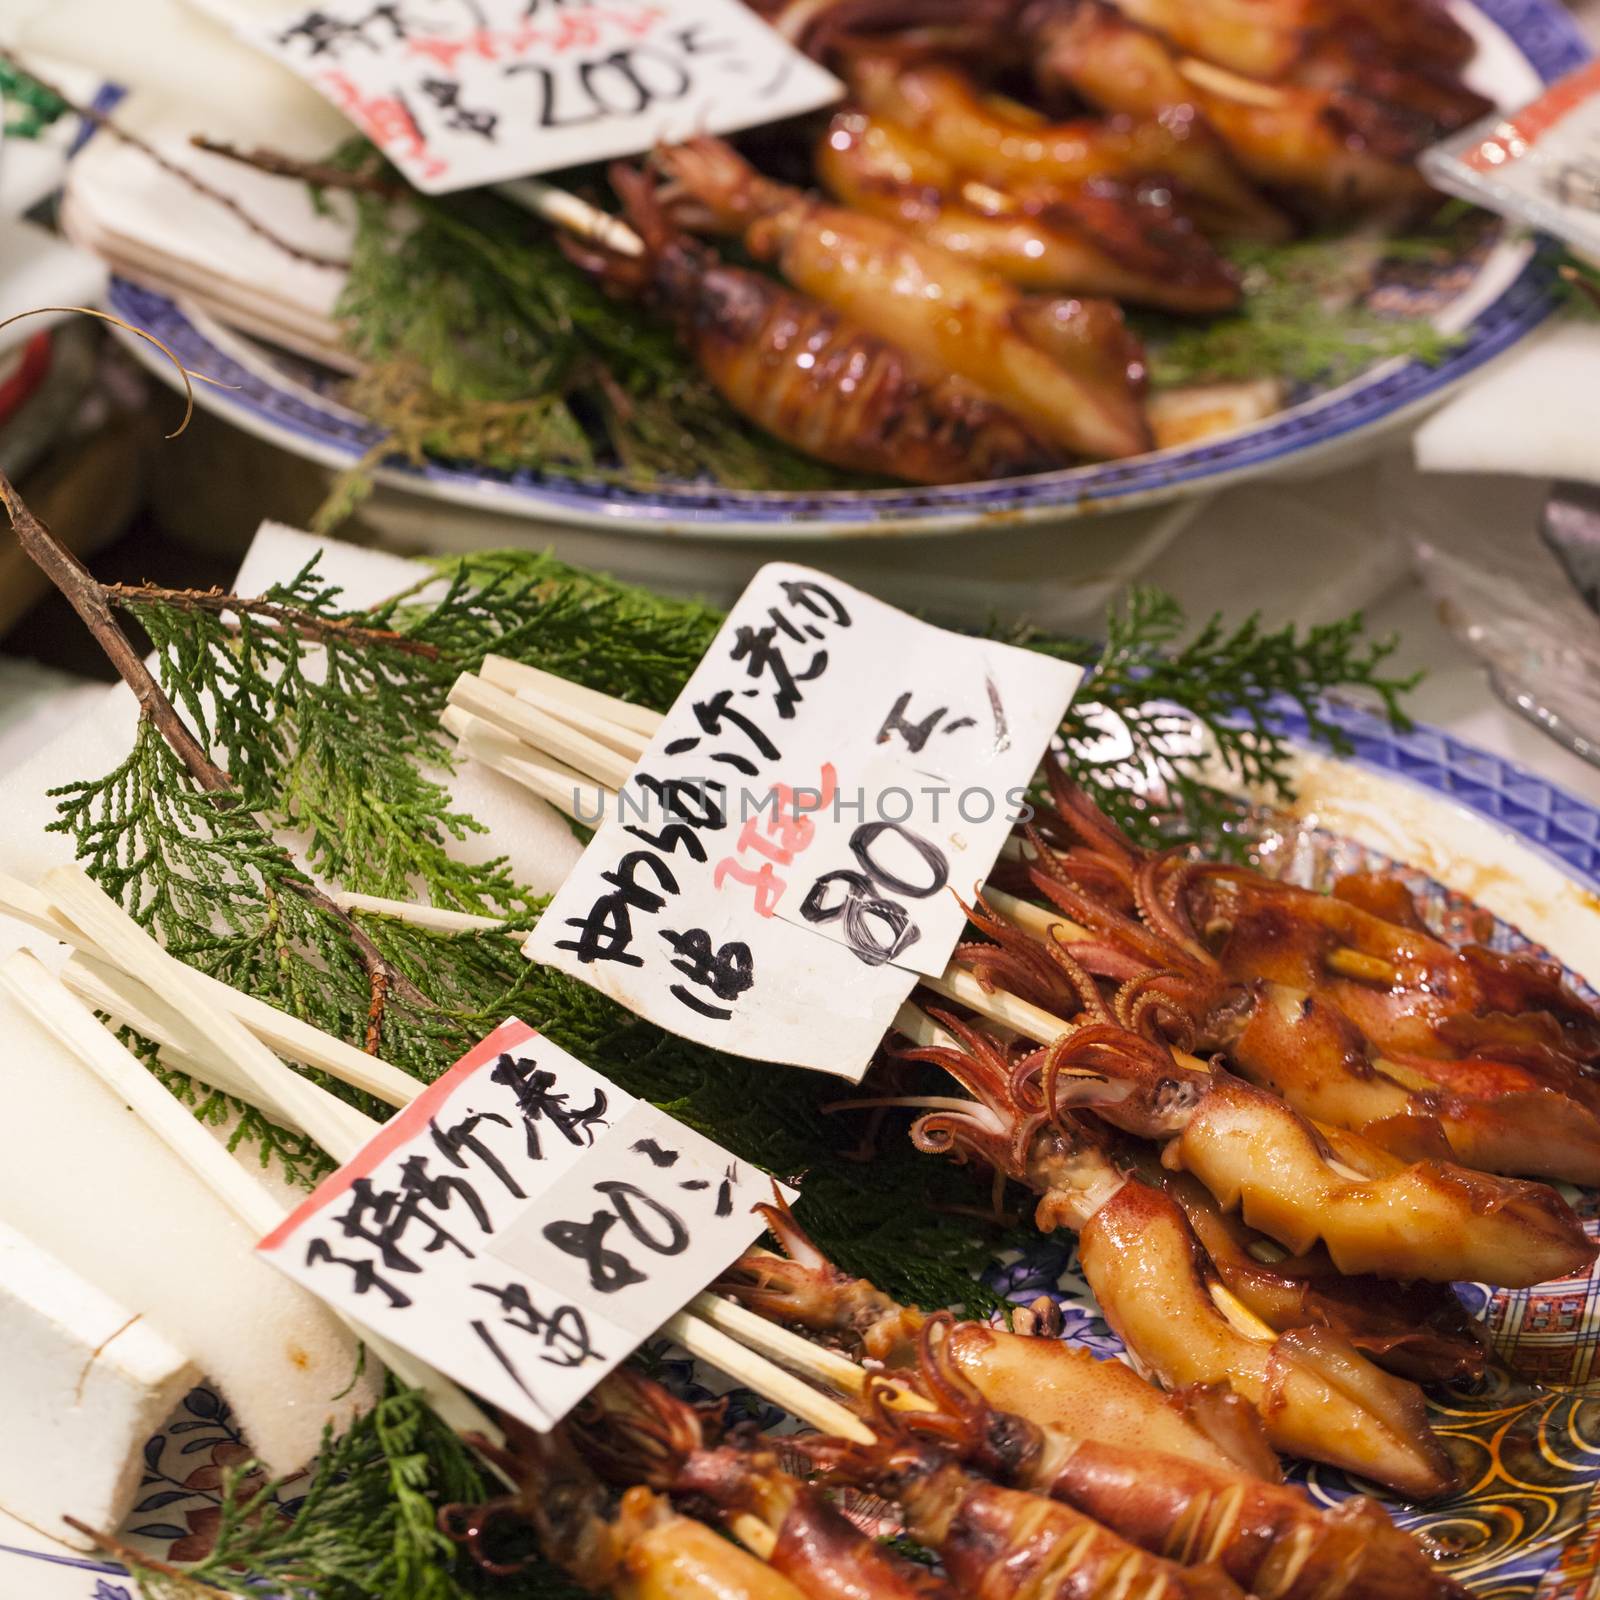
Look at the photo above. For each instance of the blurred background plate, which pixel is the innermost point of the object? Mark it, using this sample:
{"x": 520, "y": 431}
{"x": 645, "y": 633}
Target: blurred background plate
{"x": 1492, "y": 301}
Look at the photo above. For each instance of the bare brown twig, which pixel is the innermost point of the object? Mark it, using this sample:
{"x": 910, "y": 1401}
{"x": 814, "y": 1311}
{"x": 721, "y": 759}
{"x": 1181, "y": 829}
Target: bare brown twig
{"x": 89, "y": 598}
{"x": 99, "y": 120}
{"x": 134, "y": 1559}
{"x": 217, "y": 601}
{"x": 319, "y": 174}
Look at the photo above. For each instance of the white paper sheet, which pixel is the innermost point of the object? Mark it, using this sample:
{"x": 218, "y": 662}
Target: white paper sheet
{"x": 460, "y": 93}
{"x": 523, "y": 1225}
{"x": 790, "y": 849}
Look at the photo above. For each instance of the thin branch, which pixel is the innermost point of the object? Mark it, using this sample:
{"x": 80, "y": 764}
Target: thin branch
{"x": 326, "y": 629}
{"x": 99, "y": 120}
{"x": 88, "y": 598}
{"x": 134, "y": 1559}
{"x": 319, "y": 174}
{"x": 380, "y": 1000}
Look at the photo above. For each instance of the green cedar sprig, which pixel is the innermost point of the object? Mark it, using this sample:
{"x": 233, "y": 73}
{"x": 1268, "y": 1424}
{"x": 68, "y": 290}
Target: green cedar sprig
{"x": 328, "y": 731}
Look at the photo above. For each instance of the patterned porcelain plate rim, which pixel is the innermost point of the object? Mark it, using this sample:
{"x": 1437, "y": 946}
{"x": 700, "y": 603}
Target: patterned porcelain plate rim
{"x": 1485, "y": 828}
{"x": 1524, "y": 43}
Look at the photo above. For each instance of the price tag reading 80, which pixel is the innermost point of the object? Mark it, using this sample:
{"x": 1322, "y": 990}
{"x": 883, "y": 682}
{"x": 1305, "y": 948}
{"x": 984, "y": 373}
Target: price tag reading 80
{"x": 523, "y": 1225}
{"x": 792, "y": 849}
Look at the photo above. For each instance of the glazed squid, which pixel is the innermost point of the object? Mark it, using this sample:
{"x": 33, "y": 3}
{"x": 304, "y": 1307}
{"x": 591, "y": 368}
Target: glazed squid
{"x": 643, "y": 1551}
{"x": 1311, "y": 1391}
{"x": 806, "y": 374}
{"x": 633, "y": 1431}
{"x": 1267, "y": 1537}
{"x": 1336, "y": 148}
{"x": 942, "y": 107}
{"x": 1096, "y": 240}
{"x": 1282, "y": 1022}
{"x": 1266, "y": 38}
{"x": 1374, "y": 1213}
{"x": 1068, "y": 369}
{"x": 991, "y": 1541}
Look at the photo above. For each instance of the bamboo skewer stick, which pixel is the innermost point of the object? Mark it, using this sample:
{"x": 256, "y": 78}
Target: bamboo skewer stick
{"x": 514, "y": 677}
{"x": 47, "y": 1000}
{"x": 568, "y": 211}
{"x": 543, "y": 731}
{"x": 290, "y": 1036}
{"x": 439, "y": 918}
{"x": 224, "y": 1054}
{"x": 738, "y": 1361}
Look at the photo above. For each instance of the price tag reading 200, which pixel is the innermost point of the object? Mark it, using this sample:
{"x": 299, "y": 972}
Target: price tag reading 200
{"x": 780, "y": 865}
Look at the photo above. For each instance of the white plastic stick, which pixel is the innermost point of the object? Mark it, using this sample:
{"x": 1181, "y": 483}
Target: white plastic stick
{"x": 513, "y": 677}
{"x": 568, "y": 211}
{"x": 541, "y": 730}
{"x": 47, "y": 1000}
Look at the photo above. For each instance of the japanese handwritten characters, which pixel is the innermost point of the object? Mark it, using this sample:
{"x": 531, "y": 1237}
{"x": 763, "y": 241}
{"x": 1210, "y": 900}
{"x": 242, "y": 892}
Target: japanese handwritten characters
{"x": 523, "y": 1225}
{"x": 1539, "y": 165}
{"x": 787, "y": 854}
{"x": 465, "y": 92}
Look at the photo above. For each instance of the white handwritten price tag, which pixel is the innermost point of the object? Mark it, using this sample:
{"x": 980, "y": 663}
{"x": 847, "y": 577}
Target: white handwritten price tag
{"x": 787, "y": 855}
{"x": 1539, "y": 165}
{"x": 459, "y": 93}
{"x": 523, "y": 1225}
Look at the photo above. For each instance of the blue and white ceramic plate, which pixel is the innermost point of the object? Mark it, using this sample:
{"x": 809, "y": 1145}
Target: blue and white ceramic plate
{"x": 1466, "y": 829}
{"x": 1492, "y": 301}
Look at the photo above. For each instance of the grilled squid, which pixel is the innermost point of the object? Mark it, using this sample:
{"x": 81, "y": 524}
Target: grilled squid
{"x": 644, "y": 1551}
{"x": 1316, "y": 1395}
{"x": 942, "y": 107}
{"x": 1268, "y": 1537}
{"x": 1099, "y": 240}
{"x": 1427, "y": 1219}
{"x": 1321, "y": 139}
{"x": 1417, "y": 996}
{"x": 1069, "y": 369}
{"x": 1266, "y": 38}
{"x": 1006, "y": 1544}
{"x": 1054, "y": 1383}
{"x": 808, "y": 375}
{"x": 1514, "y": 1103}
{"x": 633, "y": 1431}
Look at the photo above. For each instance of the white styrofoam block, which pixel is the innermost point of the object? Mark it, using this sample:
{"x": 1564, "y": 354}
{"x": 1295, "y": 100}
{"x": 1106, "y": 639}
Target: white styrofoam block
{"x": 85, "y": 1180}
{"x": 83, "y": 1383}
{"x": 1529, "y": 414}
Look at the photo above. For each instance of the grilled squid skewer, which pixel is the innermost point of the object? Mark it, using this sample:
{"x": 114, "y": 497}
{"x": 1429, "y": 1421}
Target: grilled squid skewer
{"x": 1267, "y": 1537}
{"x": 808, "y": 375}
{"x": 1088, "y": 241}
{"x": 632, "y": 1430}
{"x": 1316, "y": 1395}
{"x": 1068, "y": 369}
{"x": 1273, "y": 999}
{"x": 645, "y": 1551}
{"x": 941, "y": 106}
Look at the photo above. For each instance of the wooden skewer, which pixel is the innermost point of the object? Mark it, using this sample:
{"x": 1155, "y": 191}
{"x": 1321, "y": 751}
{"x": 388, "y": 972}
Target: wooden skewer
{"x": 541, "y": 730}
{"x": 514, "y": 677}
{"x": 577, "y": 216}
{"x": 440, "y": 918}
{"x": 728, "y": 1355}
{"x": 556, "y": 784}
{"x": 47, "y": 1000}
{"x": 289, "y": 1036}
